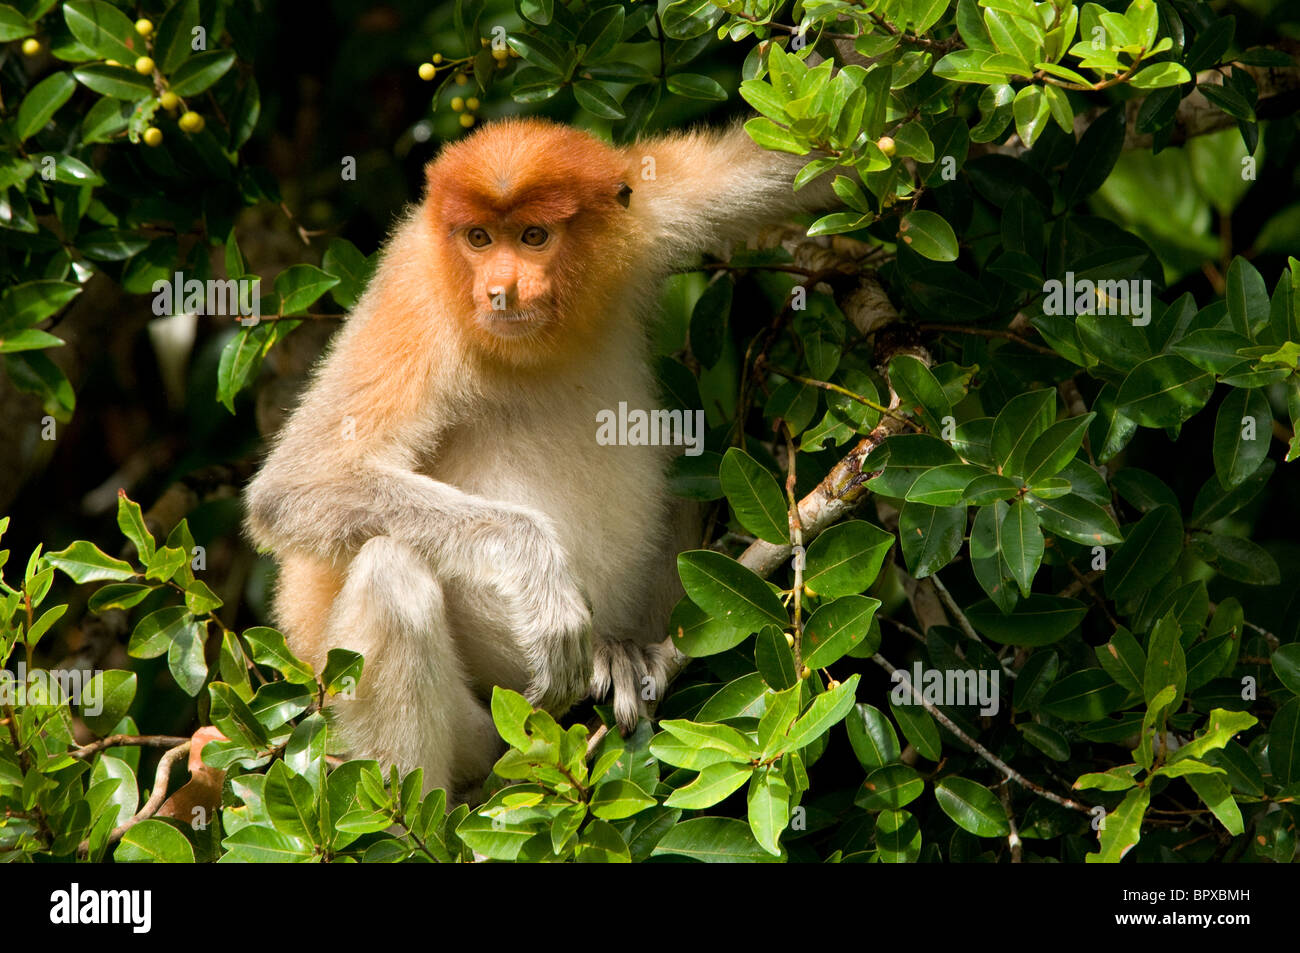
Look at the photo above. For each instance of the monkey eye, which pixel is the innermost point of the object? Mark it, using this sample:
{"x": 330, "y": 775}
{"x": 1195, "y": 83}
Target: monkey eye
{"x": 478, "y": 237}
{"x": 535, "y": 235}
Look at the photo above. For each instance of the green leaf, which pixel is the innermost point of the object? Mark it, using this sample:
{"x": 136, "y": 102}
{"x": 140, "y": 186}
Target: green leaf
{"x": 696, "y": 86}
{"x": 890, "y": 788}
{"x": 1077, "y": 519}
{"x": 115, "y": 81}
{"x": 619, "y": 799}
{"x": 1242, "y": 430}
{"x": 1286, "y": 666}
{"x": 1031, "y": 109}
{"x": 1284, "y": 743}
{"x": 1086, "y": 695}
{"x": 928, "y": 234}
{"x": 1123, "y": 660}
{"x": 200, "y": 71}
{"x": 1159, "y": 75}
{"x": 836, "y": 628}
{"x": 83, "y": 562}
{"x": 774, "y": 658}
{"x": 300, "y": 285}
{"x": 768, "y": 803}
{"x": 103, "y": 29}
{"x": 846, "y": 558}
{"x": 919, "y": 391}
{"x": 185, "y": 658}
{"x": 1151, "y": 550}
{"x": 1166, "y": 662}
{"x": 754, "y": 496}
{"x": 1217, "y": 796}
{"x": 1055, "y": 447}
{"x": 235, "y": 718}
{"x": 930, "y": 536}
{"x": 13, "y": 25}
{"x": 771, "y": 136}
{"x": 720, "y": 737}
{"x": 270, "y": 649}
{"x": 1095, "y": 156}
{"x": 1037, "y": 620}
{"x": 872, "y": 737}
{"x": 827, "y": 710}
{"x": 42, "y": 102}
{"x": 1017, "y": 427}
{"x": 1123, "y": 827}
{"x": 714, "y": 784}
{"x": 713, "y": 840}
{"x": 110, "y": 693}
{"x": 918, "y": 726}
{"x": 972, "y": 807}
{"x": 153, "y": 842}
{"x": 1164, "y": 391}
{"x": 727, "y": 590}
{"x": 1022, "y": 544}
{"x": 596, "y": 99}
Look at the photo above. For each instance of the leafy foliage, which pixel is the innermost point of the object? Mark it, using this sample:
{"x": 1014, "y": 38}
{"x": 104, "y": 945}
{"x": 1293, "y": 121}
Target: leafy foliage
{"x": 1105, "y": 623}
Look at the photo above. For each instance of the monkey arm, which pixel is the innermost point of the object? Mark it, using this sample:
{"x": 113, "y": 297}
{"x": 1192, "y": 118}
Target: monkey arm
{"x": 693, "y": 191}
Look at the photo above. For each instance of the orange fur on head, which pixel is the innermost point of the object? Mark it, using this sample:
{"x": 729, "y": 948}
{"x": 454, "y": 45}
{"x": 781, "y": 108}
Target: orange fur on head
{"x": 517, "y": 173}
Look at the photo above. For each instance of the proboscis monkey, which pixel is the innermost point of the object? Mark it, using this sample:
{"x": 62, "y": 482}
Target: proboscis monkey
{"x": 439, "y": 502}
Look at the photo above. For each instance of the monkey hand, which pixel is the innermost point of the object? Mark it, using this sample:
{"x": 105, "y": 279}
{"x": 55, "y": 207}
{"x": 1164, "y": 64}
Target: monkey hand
{"x": 637, "y": 674}
{"x": 544, "y": 607}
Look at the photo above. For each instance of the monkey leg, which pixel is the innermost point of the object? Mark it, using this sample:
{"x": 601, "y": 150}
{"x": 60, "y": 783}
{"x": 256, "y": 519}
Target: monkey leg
{"x": 413, "y": 707}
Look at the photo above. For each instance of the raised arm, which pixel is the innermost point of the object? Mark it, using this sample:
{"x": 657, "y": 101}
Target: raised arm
{"x": 694, "y": 190}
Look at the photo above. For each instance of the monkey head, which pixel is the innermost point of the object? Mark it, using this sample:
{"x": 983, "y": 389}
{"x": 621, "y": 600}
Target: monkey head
{"x": 529, "y": 220}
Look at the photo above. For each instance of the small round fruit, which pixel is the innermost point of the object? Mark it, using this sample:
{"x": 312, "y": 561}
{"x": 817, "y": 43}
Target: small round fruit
{"x": 457, "y": 104}
{"x": 472, "y": 104}
{"x": 461, "y": 79}
{"x": 832, "y": 685}
{"x": 428, "y": 71}
{"x": 500, "y": 53}
{"x": 31, "y": 46}
{"x": 143, "y": 27}
{"x": 153, "y": 136}
{"x": 466, "y": 120}
{"x": 805, "y": 672}
{"x": 437, "y": 58}
{"x": 144, "y": 65}
{"x": 886, "y": 145}
{"x": 190, "y": 122}
{"x": 789, "y": 639}
{"x": 169, "y": 101}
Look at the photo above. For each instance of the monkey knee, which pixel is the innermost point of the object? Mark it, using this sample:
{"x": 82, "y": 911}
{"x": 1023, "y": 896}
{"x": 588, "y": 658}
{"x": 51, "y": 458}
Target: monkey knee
{"x": 388, "y": 582}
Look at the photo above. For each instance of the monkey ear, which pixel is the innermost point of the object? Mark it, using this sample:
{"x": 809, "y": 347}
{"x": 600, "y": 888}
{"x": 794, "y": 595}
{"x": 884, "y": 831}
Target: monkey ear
{"x": 624, "y": 194}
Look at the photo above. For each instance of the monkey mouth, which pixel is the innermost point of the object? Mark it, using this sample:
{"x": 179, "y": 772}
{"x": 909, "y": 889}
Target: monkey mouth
{"x": 514, "y": 322}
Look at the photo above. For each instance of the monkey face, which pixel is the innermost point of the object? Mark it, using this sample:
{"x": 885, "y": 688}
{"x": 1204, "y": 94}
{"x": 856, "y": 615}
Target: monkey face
{"x": 513, "y": 267}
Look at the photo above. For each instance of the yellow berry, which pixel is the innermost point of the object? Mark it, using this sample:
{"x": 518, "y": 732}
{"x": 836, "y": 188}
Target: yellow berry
{"x": 144, "y": 65}
{"x": 169, "y": 101}
{"x": 805, "y": 672}
{"x": 832, "y": 685}
{"x": 886, "y": 145}
{"x": 466, "y": 120}
{"x": 143, "y": 27}
{"x": 461, "y": 79}
{"x": 191, "y": 122}
{"x": 500, "y": 53}
{"x": 789, "y": 639}
{"x": 428, "y": 71}
{"x": 437, "y": 57}
{"x": 472, "y": 104}
{"x": 31, "y": 46}
{"x": 153, "y": 136}
{"x": 457, "y": 104}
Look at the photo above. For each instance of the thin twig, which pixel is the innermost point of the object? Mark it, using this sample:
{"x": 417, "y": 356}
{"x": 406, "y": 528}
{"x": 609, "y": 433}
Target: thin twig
{"x": 161, "y": 779}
